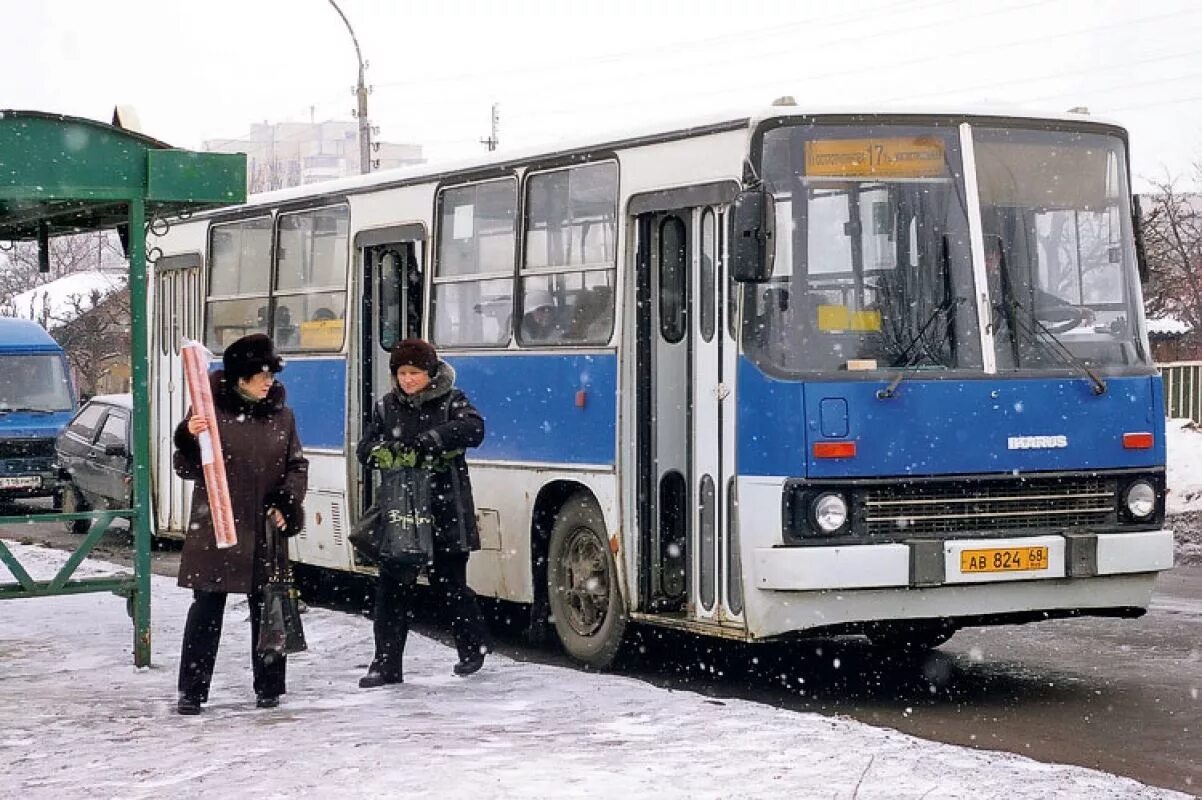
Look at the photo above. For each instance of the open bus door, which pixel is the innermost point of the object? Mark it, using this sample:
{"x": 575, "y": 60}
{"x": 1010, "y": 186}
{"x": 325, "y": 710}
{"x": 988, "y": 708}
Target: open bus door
{"x": 392, "y": 261}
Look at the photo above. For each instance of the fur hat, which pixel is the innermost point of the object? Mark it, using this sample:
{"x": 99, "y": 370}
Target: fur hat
{"x": 413, "y": 353}
{"x": 251, "y": 355}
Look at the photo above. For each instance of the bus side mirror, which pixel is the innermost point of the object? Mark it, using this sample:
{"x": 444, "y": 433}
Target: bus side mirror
{"x": 753, "y": 236}
{"x": 1137, "y": 225}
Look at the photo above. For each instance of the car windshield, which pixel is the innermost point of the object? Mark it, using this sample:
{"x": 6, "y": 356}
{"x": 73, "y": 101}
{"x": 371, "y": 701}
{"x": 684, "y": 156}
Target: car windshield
{"x": 33, "y": 382}
{"x": 873, "y": 264}
{"x": 1058, "y": 247}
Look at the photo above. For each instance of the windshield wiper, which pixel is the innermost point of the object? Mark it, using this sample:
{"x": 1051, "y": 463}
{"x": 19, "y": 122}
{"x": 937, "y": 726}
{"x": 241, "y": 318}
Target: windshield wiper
{"x": 1028, "y": 322}
{"x": 943, "y": 308}
{"x": 28, "y": 409}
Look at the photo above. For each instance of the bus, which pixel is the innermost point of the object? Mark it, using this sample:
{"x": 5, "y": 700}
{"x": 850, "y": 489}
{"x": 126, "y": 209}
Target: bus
{"x": 751, "y": 376}
{"x": 37, "y": 400}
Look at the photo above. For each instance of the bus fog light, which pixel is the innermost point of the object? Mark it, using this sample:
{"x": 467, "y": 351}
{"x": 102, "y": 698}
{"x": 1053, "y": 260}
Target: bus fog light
{"x": 830, "y": 512}
{"x": 1140, "y": 499}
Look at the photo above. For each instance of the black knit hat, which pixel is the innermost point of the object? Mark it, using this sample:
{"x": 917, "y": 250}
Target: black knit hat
{"x": 413, "y": 353}
{"x": 251, "y": 355}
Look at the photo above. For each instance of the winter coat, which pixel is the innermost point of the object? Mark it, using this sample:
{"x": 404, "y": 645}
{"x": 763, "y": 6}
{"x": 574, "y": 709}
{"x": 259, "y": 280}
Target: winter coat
{"x": 264, "y": 467}
{"x": 435, "y": 421}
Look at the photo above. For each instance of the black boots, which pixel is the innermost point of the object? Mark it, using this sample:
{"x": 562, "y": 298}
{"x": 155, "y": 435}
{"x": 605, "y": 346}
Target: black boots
{"x": 374, "y": 679}
{"x": 469, "y": 664}
{"x": 191, "y": 706}
{"x": 188, "y": 706}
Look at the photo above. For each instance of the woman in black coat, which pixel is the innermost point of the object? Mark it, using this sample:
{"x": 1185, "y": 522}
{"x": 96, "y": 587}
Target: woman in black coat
{"x": 427, "y": 416}
{"x": 267, "y": 475}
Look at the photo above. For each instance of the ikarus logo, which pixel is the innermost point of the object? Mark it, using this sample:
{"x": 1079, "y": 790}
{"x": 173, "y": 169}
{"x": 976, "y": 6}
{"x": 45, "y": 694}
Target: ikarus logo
{"x": 1036, "y": 442}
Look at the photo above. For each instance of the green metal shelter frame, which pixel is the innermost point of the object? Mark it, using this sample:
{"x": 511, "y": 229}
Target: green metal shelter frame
{"x": 63, "y": 175}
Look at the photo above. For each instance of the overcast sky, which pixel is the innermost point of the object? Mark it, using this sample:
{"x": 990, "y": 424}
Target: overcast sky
{"x": 206, "y": 69}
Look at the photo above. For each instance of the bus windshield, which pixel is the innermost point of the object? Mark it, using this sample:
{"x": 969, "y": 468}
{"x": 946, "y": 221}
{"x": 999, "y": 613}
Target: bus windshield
{"x": 33, "y": 383}
{"x": 1058, "y": 247}
{"x": 873, "y": 264}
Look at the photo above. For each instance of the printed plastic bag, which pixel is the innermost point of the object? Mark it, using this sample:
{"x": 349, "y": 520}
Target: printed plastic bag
{"x": 405, "y": 529}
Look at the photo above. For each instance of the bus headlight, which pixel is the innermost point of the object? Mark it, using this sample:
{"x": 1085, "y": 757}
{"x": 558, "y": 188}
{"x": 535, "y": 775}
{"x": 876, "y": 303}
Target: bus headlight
{"x": 1140, "y": 499}
{"x": 830, "y": 512}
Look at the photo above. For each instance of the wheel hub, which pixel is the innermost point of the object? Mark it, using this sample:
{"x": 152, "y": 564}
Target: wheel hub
{"x": 584, "y": 582}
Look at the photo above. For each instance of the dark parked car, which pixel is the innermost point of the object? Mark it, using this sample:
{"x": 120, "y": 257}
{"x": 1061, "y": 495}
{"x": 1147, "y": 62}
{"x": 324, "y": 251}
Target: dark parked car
{"x": 93, "y": 457}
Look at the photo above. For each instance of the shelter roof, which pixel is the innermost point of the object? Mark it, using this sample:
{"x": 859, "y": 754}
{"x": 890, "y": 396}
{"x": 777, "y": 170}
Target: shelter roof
{"x": 61, "y": 174}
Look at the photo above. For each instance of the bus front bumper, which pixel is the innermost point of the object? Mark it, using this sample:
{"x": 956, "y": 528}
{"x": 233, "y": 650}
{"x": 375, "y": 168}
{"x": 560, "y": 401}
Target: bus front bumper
{"x": 933, "y": 563}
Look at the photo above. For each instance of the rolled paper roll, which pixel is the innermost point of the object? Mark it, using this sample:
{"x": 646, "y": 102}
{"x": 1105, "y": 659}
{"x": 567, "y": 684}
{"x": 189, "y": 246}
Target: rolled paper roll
{"x": 196, "y": 371}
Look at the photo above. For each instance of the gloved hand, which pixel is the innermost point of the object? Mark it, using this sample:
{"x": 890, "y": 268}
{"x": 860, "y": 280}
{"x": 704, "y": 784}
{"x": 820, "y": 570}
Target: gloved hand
{"x": 426, "y": 444}
{"x": 382, "y": 456}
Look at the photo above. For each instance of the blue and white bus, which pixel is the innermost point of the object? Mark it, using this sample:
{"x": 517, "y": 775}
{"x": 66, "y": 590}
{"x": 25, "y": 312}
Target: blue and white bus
{"x": 752, "y": 377}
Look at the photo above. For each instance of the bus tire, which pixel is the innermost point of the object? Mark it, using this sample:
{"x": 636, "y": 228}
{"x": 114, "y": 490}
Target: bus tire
{"x": 918, "y": 636}
{"x": 582, "y": 584}
{"x": 73, "y": 502}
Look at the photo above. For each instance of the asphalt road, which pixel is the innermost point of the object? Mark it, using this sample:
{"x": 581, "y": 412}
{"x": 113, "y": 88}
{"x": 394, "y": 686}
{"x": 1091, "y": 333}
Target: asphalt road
{"x": 1116, "y": 695}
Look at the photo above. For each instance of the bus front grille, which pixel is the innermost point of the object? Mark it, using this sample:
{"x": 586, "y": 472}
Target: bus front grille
{"x": 985, "y": 507}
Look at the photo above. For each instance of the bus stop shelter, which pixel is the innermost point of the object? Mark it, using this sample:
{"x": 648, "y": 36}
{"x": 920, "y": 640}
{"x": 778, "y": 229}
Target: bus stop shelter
{"x": 64, "y": 175}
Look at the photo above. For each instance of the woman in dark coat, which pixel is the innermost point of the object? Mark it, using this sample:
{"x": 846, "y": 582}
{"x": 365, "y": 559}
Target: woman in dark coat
{"x": 267, "y": 475}
{"x": 426, "y": 416}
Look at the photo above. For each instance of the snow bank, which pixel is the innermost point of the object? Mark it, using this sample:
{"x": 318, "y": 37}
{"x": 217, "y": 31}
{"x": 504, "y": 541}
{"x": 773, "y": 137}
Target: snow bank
{"x": 79, "y": 722}
{"x": 66, "y": 296}
{"x": 1169, "y": 325}
{"x": 1184, "y": 474}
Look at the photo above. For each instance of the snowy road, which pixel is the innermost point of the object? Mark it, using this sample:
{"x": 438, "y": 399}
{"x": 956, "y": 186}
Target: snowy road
{"x": 77, "y": 721}
{"x": 1040, "y": 689}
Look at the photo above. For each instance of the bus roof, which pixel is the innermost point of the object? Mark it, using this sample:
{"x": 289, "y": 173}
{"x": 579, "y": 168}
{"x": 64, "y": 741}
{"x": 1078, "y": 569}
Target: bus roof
{"x": 647, "y": 133}
{"x": 21, "y": 334}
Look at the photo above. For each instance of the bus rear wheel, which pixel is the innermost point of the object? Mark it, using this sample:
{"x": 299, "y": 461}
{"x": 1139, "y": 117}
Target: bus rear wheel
{"x": 911, "y": 637}
{"x": 582, "y": 585}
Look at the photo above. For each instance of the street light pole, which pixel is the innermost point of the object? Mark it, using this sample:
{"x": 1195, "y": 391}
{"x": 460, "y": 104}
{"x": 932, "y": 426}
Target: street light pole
{"x": 361, "y": 93}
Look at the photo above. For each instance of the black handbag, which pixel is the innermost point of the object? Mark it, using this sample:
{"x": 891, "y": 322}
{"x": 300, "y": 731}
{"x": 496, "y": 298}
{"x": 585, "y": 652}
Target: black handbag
{"x": 280, "y": 629}
{"x": 364, "y": 536}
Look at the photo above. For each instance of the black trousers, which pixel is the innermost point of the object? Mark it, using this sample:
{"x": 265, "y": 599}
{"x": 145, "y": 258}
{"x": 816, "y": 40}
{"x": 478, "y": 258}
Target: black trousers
{"x": 202, "y": 634}
{"x": 455, "y": 600}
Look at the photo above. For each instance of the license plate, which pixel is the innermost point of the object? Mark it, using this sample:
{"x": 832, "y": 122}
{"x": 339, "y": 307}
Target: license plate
{"x": 1004, "y": 559}
{"x": 25, "y": 482}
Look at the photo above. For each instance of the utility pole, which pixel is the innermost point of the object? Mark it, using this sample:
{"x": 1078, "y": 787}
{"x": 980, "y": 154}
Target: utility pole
{"x": 492, "y": 141}
{"x": 361, "y": 93}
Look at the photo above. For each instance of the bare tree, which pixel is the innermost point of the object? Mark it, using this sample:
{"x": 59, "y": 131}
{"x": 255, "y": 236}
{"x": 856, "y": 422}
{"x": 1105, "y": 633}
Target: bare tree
{"x": 95, "y": 333}
{"x": 1173, "y": 237}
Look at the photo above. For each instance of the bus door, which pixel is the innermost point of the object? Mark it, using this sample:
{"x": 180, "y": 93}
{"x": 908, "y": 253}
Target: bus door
{"x": 679, "y": 398}
{"x": 392, "y": 260}
{"x": 708, "y": 422}
{"x": 177, "y": 313}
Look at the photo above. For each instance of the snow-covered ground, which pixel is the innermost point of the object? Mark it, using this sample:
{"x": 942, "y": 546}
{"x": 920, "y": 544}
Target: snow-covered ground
{"x": 1184, "y": 442}
{"x": 77, "y": 720}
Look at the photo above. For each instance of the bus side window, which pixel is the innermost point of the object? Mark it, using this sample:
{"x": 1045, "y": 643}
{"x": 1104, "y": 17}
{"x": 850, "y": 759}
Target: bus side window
{"x": 592, "y": 318}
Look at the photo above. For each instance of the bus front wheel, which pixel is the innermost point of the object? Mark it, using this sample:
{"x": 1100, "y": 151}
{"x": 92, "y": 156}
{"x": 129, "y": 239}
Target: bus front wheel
{"x": 582, "y": 584}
